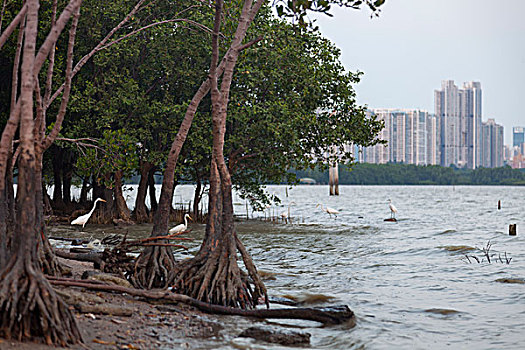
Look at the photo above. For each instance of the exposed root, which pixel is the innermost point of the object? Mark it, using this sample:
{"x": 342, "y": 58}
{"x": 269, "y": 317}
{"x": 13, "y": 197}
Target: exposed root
{"x": 48, "y": 260}
{"x": 31, "y": 310}
{"x": 259, "y": 287}
{"x": 217, "y": 279}
{"x": 153, "y": 268}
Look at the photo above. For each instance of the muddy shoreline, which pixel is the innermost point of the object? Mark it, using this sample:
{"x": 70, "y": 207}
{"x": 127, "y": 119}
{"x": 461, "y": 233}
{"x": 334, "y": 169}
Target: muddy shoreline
{"x": 150, "y": 326}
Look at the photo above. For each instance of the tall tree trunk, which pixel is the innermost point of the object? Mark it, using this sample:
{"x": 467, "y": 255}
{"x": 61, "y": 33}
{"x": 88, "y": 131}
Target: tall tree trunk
{"x": 121, "y": 208}
{"x": 57, "y": 175}
{"x": 140, "y": 213}
{"x": 152, "y": 191}
{"x": 149, "y": 271}
{"x": 103, "y": 214}
{"x": 197, "y": 198}
{"x": 67, "y": 175}
{"x": 84, "y": 191}
{"x": 214, "y": 275}
{"x": 28, "y": 304}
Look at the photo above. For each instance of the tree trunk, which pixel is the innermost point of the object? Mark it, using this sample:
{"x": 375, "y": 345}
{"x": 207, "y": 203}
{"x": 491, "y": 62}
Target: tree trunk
{"x": 151, "y": 260}
{"x": 197, "y": 199}
{"x": 140, "y": 213}
{"x": 103, "y": 214}
{"x": 67, "y": 175}
{"x": 121, "y": 208}
{"x": 152, "y": 192}
{"x": 213, "y": 275}
{"x": 29, "y": 306}
{"x": 57, "y": 175}
{"x": 84, "y": 191}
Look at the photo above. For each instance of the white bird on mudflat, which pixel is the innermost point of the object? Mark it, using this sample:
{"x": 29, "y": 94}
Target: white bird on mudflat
{"x": 181, "y": 227}
{"x": 83, "y": 219}
{"x": 393, "y": 209}
{"x": 330, "y": 211}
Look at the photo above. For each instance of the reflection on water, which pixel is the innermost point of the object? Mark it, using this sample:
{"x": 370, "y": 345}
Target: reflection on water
{"x": 407, "y": 282}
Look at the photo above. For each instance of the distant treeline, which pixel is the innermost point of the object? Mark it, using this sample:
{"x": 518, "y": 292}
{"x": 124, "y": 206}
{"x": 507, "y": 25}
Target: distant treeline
{"x": 409, "y": 174}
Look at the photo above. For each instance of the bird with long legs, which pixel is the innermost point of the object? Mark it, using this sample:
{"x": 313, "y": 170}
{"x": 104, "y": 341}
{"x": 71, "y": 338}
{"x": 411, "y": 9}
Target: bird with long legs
{"x": 83, "y": 219}
{"x": 328, "y": 210}
{"x": 286, "y": 215}
{"x": 181, "y": 227}
{"x": 393, "y": 209}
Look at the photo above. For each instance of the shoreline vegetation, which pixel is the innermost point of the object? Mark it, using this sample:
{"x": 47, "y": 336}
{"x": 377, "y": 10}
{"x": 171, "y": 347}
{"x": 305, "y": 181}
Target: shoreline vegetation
{"x": 409, "y": 174}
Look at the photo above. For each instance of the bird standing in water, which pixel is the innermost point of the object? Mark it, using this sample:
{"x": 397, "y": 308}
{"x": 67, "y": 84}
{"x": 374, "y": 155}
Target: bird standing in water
{"x": 82, "y": 220}
{"x": 393, "y": 209}
{"x": 181, "y": 227}
{"x": 330, "y": 211}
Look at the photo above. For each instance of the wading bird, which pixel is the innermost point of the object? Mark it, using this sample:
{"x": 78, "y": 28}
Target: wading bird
{"x": 81, "y": 220}
{"x": 286, "y": 215}
{"x": 181, "y": 227}
{"x": 393, "y": 209}
{"x": 330, "y": 211}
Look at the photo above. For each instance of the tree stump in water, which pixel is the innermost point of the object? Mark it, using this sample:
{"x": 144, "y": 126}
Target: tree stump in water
{"x": 512, "y": 230}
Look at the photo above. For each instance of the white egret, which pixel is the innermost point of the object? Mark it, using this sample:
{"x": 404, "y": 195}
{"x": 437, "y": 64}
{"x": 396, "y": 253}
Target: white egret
{"x": 286, "y": 215}
{"x": 181, "y": 227}
{"x": 81, "y": 220}
{"x": 330, "y": 211}
{"x": 393, "y": 209}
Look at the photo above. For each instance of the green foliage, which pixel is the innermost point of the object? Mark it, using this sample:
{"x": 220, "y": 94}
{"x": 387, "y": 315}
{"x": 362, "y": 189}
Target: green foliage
{"x": 401, "y": 174}
{"x": 116, "y": 151}
{"x": 298, "y": 10}
{"x": 291, "y": 100}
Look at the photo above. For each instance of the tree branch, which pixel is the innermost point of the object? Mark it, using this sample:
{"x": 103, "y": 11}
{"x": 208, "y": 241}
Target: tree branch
{"x": 11, "y": 27}
{"x": 67, "y": 84}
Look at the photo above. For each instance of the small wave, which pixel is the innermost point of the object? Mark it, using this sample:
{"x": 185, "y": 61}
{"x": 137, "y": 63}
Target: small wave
{"x": 444, "y": 312}
{"x": 446, "y": 232}
{"x": 457, "y": 248}
{"x": 511, "y": 280}
{"x": 308, "y": 299}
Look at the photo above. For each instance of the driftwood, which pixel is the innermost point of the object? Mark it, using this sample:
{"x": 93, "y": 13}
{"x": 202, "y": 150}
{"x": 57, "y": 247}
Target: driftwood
{"x": 94, "y": 257}
{"x": 87, "y": 303}
{"x": 327, "y": 315}
{"x": 73, "y": 241}
{"x": 273, "y": 335}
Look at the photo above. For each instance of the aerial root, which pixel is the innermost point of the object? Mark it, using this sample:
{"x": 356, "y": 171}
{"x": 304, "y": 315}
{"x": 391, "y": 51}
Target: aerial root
{"x": 217, "y": 279}
{"x": 31, "y": 309}
{"x": 153, "y": 268}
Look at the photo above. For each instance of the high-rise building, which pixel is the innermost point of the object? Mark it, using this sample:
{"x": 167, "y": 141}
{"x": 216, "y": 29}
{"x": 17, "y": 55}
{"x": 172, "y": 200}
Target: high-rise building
{"x": 446, "y": 107}
{"x": 492, "y": 145}
{"x": 411, "y": 135}
{"x": 470, "y": 113}
{"x": 518, "y": 138}
{"x": 459, "y": 115}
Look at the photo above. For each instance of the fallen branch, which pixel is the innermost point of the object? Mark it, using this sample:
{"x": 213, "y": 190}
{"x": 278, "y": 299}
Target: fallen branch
{"x": 165, "y": 245}
{"x": 93, "y": 257}
{"x": 327, "y": 315}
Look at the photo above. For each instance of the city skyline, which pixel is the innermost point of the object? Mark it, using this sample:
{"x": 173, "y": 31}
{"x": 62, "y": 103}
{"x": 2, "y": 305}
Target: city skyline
{"x": 412, "y": 46}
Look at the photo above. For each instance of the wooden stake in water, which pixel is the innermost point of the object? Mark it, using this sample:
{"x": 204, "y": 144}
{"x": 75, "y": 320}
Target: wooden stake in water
{"x": 512, "y": 230}
{"x": 333, "y": 179}
{"x": 499, "y": 204}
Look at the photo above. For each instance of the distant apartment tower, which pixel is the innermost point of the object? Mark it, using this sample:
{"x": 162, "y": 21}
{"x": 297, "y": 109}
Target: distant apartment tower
{"x": 492, "y": 145}
{"x": 459, "y": 117}
{"x": 470, "y": 114}
{"x": 411, "y": 137}
{"x": 518, "y": 138}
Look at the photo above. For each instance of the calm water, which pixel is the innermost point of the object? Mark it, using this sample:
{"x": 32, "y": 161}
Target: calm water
{"x": 407, "y": 287}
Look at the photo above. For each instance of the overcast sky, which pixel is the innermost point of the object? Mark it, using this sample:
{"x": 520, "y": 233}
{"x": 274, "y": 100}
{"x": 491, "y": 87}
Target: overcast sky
{"x": 415, "y": 44}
